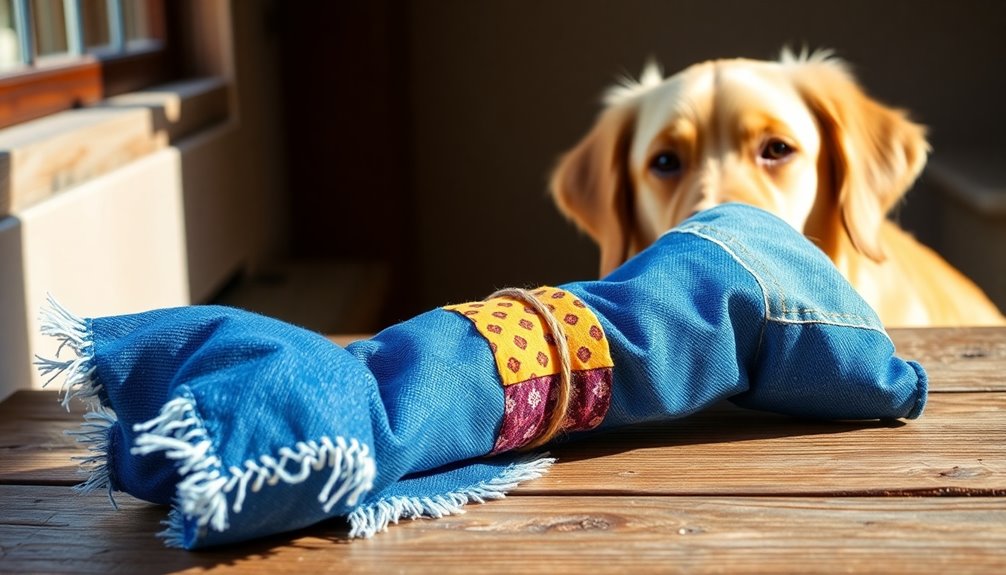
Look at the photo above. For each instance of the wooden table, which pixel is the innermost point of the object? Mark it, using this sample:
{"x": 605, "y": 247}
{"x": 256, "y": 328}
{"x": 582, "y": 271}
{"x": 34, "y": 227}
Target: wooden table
{"x": 727, "y": 490}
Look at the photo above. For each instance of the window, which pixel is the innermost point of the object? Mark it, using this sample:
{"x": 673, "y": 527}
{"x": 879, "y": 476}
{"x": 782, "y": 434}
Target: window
{"x": 59, "y": 54}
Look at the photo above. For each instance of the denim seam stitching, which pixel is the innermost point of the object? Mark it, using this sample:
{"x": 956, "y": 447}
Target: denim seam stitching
{"x": 733, "y": 246}
{"x": 741, "y": 253}
{"x": 693, "y": 230}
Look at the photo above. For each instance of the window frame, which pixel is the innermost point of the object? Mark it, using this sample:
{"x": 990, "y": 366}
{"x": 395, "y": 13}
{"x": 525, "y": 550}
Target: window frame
{"x": 49, "y": 84}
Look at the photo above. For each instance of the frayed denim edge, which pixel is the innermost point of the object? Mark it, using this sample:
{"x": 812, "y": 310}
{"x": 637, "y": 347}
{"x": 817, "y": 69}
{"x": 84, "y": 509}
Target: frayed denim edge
{"x": 81, "y": 382}
{"x": 370, "y": 519}
{"x": 202, "y": 493}
{"x": 71, "y": 332}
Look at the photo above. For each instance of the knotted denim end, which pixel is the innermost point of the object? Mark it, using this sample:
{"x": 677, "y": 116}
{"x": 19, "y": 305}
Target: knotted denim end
{"x": 922, "y": 390}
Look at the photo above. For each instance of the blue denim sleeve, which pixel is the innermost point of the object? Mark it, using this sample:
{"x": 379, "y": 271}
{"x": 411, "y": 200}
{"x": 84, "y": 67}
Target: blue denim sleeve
{"x": 736, "y": 304}
{"x": 251, "y": 426}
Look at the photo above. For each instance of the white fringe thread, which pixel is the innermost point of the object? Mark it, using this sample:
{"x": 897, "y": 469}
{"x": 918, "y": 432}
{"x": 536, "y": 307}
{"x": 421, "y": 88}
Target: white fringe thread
{"x": 371, "y": 519}
{"x": 202, "y": 494}
{"x": 81, "y": 382}
{"x": 72, "y": 332}
{"x": 93, "y": 433}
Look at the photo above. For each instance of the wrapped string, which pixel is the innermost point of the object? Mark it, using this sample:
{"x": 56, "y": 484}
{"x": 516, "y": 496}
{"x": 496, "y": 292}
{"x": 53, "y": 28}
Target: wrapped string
{"x": 563, "y": 394}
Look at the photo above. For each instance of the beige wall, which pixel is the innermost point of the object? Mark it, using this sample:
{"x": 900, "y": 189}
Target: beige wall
{"x": 113, "y": 245}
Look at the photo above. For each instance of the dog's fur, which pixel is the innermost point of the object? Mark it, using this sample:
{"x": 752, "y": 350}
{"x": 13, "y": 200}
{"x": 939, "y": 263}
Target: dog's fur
{"x": 797, "y": 137}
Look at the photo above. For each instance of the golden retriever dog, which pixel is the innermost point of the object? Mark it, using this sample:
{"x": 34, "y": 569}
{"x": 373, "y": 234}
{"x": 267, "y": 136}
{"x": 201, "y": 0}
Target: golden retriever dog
{"x": 797, "y": 137}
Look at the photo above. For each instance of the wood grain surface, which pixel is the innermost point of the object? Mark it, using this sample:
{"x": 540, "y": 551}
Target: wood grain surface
{"x": 725, "y": 491}
{"x": 957, "y": 447}
{"x": 957, "y": 359}
{"x": 55, "y": 531}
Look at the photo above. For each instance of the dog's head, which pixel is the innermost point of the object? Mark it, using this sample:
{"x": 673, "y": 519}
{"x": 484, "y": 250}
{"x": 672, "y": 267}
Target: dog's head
{"x": 797, "y": 137}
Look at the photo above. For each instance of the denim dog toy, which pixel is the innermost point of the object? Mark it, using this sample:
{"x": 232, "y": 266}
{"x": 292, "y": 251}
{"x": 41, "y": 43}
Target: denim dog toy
{"x": 248, "y": 426}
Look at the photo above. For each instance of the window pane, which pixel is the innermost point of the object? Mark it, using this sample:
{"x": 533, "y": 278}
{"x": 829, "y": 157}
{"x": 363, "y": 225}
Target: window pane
{"x": 10, "y": 51}
{"x": 49, "y": 27}
{"x": 94, "y": 16}
{"x": 136, "y": 15}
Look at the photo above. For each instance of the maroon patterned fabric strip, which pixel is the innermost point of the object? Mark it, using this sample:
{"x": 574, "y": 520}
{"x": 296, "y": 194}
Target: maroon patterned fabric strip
{"x": 527, "y": 403}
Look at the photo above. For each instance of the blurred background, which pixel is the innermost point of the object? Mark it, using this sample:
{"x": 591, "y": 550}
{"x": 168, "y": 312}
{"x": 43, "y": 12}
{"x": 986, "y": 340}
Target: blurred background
{"x": 346, "y": 165}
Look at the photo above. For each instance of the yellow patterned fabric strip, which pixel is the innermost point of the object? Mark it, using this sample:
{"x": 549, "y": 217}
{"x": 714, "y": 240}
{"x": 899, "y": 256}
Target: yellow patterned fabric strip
{"x": 521, "y": 342}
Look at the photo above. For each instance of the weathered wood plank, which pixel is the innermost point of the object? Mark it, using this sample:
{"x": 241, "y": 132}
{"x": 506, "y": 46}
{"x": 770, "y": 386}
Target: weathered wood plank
{"x": 49, "y": 529}
{"x": 957, "y": 359}
{"x": 33, "y": 446}
{"x": 958, "y": 446}
{"x": 701, "y": 495}
{"x": 50, "y": 154}
{"x": 54, "y": 153}
{"x": 38, "y": 405}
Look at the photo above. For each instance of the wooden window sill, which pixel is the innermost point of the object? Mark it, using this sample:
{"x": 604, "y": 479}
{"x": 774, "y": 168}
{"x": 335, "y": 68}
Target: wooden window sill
{"x": 43, "y": 157}
{"x": 63, "y": 81}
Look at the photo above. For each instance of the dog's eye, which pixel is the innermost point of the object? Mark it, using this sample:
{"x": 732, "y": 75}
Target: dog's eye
{"x": 775, "y": 150}
{"x": 665, "y": 164}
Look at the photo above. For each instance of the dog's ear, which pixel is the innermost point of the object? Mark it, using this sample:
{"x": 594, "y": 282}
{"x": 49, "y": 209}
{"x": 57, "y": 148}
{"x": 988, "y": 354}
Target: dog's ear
{"x": 591, "y": 184}
{"x": 875, "y": 152}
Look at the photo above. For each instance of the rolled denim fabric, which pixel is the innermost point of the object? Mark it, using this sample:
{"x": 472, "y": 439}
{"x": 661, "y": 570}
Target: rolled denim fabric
{"x": 248, "y": 426}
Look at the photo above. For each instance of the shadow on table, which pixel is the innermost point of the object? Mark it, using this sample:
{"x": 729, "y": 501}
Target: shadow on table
{"x": 128, "y": 536}
{"x": 723, "y": 423}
